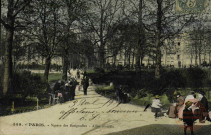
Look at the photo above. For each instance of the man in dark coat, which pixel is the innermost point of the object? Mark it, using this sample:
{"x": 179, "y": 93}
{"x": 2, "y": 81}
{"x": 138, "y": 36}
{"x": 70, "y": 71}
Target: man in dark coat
{"x": 85, "y": 83}
{"x": 73, "y": 84}
{"x": 78, "y": 74}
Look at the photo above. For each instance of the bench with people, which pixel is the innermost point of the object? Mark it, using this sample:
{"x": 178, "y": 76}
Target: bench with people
{"x": 122, "y": 96}
{"x": 187, "y": 109}
{"x": 62, "y": 91}
{"x": 199, "y": 106}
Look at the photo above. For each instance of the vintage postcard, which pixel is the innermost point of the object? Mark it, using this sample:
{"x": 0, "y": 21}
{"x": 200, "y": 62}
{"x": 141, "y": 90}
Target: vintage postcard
{"x": 105, "y": 67}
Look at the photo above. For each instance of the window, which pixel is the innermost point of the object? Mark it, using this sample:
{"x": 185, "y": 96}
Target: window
{"x": 178, "y": 57}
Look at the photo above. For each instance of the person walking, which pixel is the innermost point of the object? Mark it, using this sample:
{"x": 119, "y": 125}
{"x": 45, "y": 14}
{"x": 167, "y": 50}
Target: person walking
{"x": 85, "y": 83}
{"x": 156, "y": 105}
{"x": 78, "y": 74}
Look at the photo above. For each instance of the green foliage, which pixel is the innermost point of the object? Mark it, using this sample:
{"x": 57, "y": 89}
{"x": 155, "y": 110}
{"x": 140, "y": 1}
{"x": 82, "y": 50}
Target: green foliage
{"x": 34, "y": 65}
{"x": 54, "y": 76}
{"x": 106, "y": 91}
{"x": 99, "y": 70}
{"x": 142, "y": 98}
{"x": 195, "y": 77}
{"x": 169, "y": 81}
{"x": 28, "y": 84}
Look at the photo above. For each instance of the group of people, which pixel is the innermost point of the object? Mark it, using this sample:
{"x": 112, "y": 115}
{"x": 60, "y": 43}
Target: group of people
{"x": 84, "y": 80}
{"x": 188, "y": 109}
{"x": 63, "y": 91}
{"x": 122, "y": 97}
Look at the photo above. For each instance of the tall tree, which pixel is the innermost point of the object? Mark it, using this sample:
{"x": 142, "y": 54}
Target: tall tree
{"x": 100, "y": 17}
{"x": 158, "y": 38}
{"x": 14, "y": 7}
{"x": 161, "y": 19}
{"x": 1, "y": 46}
{"x": 48, "y": 31}
{"x": 73, "y": 10}
{"x": 141, "y": 33}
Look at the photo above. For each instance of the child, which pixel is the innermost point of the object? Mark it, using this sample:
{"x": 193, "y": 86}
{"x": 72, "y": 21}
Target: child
{"x": 156, "y": 105}
{"x": 188, "y": 117}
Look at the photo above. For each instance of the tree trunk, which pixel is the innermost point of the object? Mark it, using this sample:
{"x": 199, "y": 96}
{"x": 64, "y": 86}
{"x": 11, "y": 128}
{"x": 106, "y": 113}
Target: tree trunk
{"x": 142, "y": 58}
{"x": 129, "y": 55}
{"x": 196, "y": 57}
{"x": 47, "y": 67}
{"x": 137, "y": 57}
{"x": 114, "y": 59}
{"x": 191, "y": 58}
{"x": 141, "y": 35}
{"x": 8, "y": 68}
{"x": 199, "y": 59}
{"x": 158, "y": 40}
{"x": 125, "y": 58}
{"x": 102, "y": 56}
{"x": 65, "y": 65}
{"x": 157, "y": 60}
{"x": 1, "y": 51}
{"x": 7, "y": 81}
{"x": 205, "y": 54}
{"x": 133, "y": 59}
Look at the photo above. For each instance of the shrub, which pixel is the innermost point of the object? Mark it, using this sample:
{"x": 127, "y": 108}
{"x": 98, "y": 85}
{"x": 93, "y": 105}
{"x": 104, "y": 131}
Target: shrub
{"x": 33, "y": 65}
{"x": 195, "y": 77}
{"x": 28, "y": 84}
{"x": 168, "y": 80}
{"x": 99, "y": 70}
{"x": 174, "y": 79}
{"x": 119, "y": 67}
{"x": 56, "y": 67}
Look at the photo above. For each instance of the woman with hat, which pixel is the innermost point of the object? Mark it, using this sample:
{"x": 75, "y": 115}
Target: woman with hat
{"x": 192, "y": 98}
{"x": 179, "y": 103}
{"x": 156, "y": 105}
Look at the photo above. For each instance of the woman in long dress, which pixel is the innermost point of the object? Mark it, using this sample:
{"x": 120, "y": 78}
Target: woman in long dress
{"x": 192, "y": 98}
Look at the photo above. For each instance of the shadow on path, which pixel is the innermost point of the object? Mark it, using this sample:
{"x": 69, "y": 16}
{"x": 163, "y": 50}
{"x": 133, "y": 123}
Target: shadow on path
{"x": 157, "y": 129}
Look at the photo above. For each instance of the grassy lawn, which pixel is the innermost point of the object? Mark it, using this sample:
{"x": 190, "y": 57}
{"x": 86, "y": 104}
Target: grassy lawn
{"x": 108, "y": 91}
{"x": 21, "y": 106}
{"x": 52, "y": 76}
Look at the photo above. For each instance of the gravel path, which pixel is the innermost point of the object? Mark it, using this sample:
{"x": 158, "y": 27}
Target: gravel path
{"x": 87, "y": 115}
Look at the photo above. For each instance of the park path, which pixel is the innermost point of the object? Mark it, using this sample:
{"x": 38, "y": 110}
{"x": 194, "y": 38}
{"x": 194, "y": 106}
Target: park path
{"x": 86, "y": 115}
